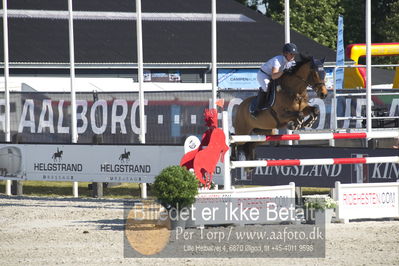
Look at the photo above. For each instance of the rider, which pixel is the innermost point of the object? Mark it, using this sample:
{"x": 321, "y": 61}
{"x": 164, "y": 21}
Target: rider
{"x": 273, "y": 69}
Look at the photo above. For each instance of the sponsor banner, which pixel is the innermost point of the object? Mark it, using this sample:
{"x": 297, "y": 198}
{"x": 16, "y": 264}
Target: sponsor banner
{"x": 339, "y": 78}
{"x": 356, "y": 201}
{"x": 171, "y": 117}
{"x": 318, "y": 175}
{"x": 237, "y": 78}
{"x": 86, "y": 163}
{"x": 170, "y": 76}
{"x": 89, "y": 163}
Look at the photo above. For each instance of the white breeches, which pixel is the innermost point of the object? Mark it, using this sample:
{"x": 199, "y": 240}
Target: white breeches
{"x": 263, "y": 80}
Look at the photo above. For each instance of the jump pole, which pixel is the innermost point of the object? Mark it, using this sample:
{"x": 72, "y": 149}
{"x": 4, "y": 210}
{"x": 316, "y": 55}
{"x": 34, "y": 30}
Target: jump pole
{"x": 329, "y": 161}
{"x": 317, "y": 136}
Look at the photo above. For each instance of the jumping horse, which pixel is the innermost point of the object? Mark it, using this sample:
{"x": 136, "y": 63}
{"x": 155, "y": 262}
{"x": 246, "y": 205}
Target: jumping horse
{"x": 290, "y": 106}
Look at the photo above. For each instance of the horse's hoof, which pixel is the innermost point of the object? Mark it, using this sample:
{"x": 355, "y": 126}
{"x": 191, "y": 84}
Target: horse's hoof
{"x": 291, "y": 125}
{"x": 310, "y": 124}
{"x": 298, "y": 125}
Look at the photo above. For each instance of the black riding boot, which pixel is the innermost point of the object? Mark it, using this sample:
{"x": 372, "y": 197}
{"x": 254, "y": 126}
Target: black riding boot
{"x": 260, "y": 102}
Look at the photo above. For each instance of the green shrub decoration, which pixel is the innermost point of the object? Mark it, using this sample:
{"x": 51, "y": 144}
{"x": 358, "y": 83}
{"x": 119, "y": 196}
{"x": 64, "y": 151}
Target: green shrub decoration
{"x": 320, "y": 203}
{"x": 175, "y": 187}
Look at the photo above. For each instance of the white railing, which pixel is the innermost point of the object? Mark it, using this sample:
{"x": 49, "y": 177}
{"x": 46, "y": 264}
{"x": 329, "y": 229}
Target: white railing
{"x": 336, "y": 94}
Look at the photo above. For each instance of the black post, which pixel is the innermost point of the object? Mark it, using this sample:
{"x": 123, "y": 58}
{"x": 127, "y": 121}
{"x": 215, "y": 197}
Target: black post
{"x": 16, "y": 185}
{"x": 98, "y": 191}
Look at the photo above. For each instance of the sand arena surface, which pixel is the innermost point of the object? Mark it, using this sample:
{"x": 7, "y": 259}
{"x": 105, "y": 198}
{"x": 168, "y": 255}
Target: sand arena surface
{"x": 50, "y": 231}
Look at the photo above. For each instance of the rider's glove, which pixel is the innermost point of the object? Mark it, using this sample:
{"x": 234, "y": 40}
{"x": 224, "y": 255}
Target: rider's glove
{"x": 288, "y": 71}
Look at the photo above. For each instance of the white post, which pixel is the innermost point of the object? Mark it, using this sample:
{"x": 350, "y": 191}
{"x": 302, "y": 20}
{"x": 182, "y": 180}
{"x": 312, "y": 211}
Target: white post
{"x": 292, "y": 185}
{"x": 72, "y": 73}
{"x": 139, "y": 36}
{"x": 144, "y": 190}
{"x": 287, "y": 39}
{"x": 74, "y": 137}
{"x": 333, "y": 118}
{"x": 7, "y": 128}
{"x": 368, "y": 67}
{"x": 214, "y": 55}
{"x": 226, "y": 165}
{"x": 140, "y": 69}
{"x": 8, "y": 187}
{"x": 336, "y": 193}
{"x": 287, "y": 21}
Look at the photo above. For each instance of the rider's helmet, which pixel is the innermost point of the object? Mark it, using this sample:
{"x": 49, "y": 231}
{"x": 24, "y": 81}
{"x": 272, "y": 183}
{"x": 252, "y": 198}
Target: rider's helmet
{"x": 290, "y": 48}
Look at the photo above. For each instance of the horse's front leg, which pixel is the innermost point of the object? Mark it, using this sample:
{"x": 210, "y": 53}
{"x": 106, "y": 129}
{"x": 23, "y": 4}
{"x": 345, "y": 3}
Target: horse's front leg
{"x": 295, "y": 124}
{"x": 295, "y": 119}
{"x": 313, "y": 113}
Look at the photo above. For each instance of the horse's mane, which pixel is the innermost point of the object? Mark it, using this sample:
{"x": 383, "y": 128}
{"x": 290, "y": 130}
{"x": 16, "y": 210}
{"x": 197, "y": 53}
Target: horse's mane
{"x": 303, "y": 60}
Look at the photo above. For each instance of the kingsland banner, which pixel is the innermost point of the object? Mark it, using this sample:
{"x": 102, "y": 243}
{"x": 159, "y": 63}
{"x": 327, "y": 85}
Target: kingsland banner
{"x": 170, "y": 116}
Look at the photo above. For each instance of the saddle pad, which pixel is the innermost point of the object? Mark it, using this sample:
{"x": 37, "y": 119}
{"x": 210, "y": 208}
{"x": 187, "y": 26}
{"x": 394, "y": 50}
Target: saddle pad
{"x": 271, "y": 97}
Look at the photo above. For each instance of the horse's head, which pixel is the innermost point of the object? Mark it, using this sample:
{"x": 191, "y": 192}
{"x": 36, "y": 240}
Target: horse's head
{"x": 316, "y": 78}
{"x": 311, "y": 72}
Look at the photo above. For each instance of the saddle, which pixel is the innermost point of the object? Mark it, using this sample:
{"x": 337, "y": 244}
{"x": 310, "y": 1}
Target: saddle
{"x": 270, "y": 97}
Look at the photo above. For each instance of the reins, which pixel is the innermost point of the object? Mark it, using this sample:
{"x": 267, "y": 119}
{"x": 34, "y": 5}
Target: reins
{"x": 308, "y": 83}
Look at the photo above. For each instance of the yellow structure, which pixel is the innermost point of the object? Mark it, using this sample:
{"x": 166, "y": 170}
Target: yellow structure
{"x": 356, "y": 77}
{"x": 396, "y": 79}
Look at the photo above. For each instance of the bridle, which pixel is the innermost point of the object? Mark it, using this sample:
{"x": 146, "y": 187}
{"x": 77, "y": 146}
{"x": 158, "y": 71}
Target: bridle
{"x": 312, "y": 86}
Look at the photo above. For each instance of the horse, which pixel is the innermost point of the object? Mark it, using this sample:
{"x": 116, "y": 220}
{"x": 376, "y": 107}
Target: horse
{"x": 290, "y": 107}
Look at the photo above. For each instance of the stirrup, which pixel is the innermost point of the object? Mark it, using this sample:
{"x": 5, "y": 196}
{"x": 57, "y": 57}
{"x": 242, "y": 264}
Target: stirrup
{"x": 254, "y": 114}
